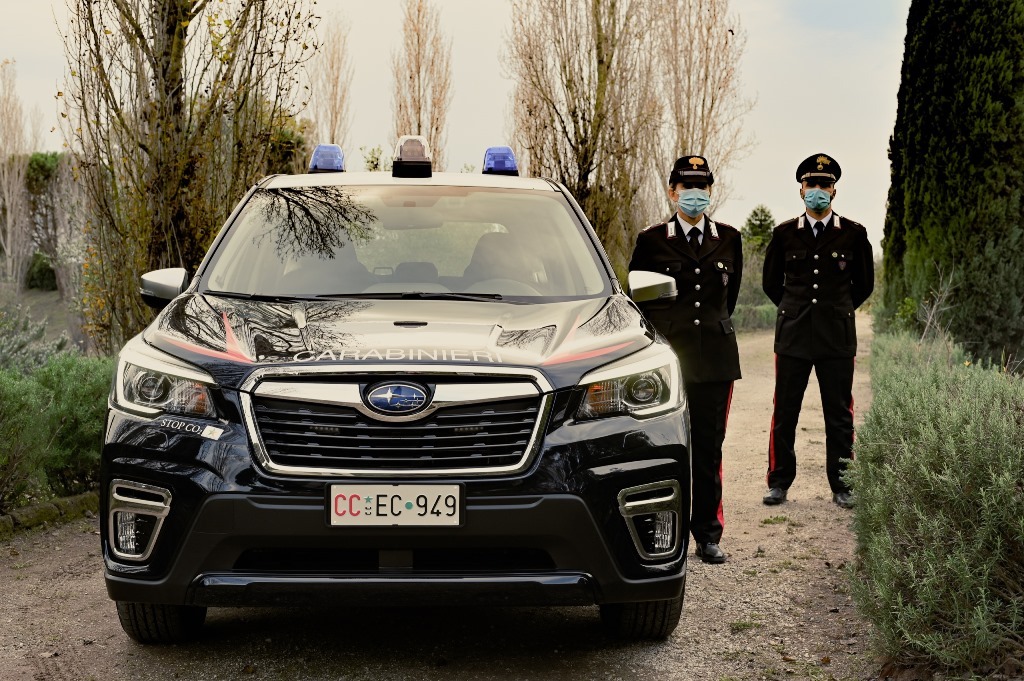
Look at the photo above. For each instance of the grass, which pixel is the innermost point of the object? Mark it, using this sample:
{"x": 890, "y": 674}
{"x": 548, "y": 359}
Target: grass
{"x": 775, "y": 520}
{"x": 739, "y": 626}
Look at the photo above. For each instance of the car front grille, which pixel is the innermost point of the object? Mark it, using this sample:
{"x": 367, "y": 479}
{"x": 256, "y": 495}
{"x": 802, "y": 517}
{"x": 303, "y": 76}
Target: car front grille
{"x": 475, "y": 437}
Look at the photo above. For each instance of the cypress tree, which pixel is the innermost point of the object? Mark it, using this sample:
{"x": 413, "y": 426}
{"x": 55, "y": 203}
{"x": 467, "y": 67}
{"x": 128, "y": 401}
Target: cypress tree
{"x": 957, "y": 154}
{"x": 757, "y": 231}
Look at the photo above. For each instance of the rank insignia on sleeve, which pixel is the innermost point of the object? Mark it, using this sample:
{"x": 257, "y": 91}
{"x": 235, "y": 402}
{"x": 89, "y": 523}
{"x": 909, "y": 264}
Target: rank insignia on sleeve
{"x": 842, "y": 264}
{"x": 725, "y": 278}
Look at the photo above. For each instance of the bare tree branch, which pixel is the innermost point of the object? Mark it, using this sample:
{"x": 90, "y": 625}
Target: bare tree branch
{"x": 173, "y": 108}
{"x": 584, "y": 107}
{"x": 15, "y": 227}
{"x": 331, "y": 80}
{"x": 422, "y": 78}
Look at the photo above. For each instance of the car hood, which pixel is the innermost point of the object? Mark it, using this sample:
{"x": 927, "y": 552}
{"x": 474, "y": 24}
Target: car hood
{"x": 229, "y": 337}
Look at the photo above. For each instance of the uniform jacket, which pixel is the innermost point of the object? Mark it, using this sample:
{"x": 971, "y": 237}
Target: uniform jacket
{"x": 817, "y": 286}
{"x": 698, "y": 322}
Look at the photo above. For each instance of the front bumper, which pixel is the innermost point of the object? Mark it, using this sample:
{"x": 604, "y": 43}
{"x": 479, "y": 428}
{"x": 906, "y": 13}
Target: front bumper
{"x": 554, "y": 534}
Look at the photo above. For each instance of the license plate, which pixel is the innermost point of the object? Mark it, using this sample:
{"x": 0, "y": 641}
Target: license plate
{"x": 403, "y": 505}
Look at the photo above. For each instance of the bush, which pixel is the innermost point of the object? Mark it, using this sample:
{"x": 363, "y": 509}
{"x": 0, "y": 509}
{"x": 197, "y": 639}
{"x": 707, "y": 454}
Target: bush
{"x": 24, "y": 435}
{"x": 79, "y": 386}
{"x": 22, "y": 347}
{"x": 751, "y": 293}
{"x": 939, "y": 475}
{"x": 40, "y": 274}
{"x": 754, "y": 317}
{"x": 51, "y": 427}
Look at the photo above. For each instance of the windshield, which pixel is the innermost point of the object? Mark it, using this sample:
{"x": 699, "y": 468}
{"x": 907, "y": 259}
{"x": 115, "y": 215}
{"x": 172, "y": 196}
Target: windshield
{"x": 382, "y": 241}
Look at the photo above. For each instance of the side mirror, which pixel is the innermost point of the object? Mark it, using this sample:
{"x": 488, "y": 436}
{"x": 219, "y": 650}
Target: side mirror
{"x": 647, "y": 286}
{"x": 160, "y": 287}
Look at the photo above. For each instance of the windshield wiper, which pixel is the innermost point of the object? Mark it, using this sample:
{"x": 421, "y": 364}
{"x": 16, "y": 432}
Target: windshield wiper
{"x": 261, "y": 297}
{"x": 423, "y": 295}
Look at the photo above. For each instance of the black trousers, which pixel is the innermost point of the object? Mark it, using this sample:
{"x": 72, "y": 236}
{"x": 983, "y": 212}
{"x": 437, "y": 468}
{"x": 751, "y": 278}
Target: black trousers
{"x": 835, "y": 382}
{"x": 709, "y": 413}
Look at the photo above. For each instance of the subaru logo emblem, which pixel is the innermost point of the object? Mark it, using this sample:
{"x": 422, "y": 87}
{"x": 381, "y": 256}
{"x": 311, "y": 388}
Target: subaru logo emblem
{"x": 396, "y": 398}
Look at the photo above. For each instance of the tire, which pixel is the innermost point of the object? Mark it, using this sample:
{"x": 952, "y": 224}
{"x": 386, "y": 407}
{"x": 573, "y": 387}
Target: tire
{"x": 644, "y": 621}
{"x": 157, "y": 623}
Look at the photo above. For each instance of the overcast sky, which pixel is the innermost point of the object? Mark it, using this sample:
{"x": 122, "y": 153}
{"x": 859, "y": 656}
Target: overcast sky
{"x": 825, "y": 76}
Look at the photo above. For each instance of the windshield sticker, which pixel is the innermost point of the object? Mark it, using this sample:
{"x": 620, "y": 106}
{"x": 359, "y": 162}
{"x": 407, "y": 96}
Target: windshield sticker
{"x": 399, "y": 355}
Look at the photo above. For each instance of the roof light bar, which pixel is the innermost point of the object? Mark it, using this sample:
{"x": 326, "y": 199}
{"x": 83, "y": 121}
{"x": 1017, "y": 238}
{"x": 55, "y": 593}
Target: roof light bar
{"x": 327, "y": 158}
{"x": 412, "y": 157}
{"x": 500, "y": 161}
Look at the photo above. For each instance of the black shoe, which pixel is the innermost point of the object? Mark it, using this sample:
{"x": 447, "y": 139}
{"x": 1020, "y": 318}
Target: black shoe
{"x": 710, "y": 553}
{"x": 842, "y": 499}
{"x": 775, "y": 496}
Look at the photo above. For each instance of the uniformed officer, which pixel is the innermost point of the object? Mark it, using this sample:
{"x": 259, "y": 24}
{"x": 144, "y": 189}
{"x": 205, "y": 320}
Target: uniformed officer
{"x": 706, "y": 259}
{"x": 818, "y": 269}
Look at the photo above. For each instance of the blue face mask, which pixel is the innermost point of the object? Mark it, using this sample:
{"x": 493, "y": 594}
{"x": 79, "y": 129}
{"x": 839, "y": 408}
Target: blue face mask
{"x": 693, "y": 202}
{"x": 817, "y": 199}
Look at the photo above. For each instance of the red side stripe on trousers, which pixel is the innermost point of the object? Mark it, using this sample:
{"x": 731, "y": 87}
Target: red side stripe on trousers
{"x": 728, "y": 407}
{"x": 851, "y": 409}
{"x": 771, "y": 431}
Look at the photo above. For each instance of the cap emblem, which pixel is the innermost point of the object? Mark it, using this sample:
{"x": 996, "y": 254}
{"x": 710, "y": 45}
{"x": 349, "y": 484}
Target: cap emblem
{"x": 696, "y": 161}
{"x": 824, "y": 160}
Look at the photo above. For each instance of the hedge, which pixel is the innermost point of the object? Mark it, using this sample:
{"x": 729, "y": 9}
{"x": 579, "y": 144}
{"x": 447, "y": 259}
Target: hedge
{"x": 939, "y": 477}
{"x": 51, "y": 426}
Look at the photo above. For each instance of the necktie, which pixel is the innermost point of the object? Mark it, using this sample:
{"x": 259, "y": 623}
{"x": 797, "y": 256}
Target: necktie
{"x": 818, "y": 228}
{"x": 694, "y": 238}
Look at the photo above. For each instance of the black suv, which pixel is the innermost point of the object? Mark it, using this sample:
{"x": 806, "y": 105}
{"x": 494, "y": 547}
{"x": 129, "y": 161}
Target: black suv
{"x": 397, "y": 388}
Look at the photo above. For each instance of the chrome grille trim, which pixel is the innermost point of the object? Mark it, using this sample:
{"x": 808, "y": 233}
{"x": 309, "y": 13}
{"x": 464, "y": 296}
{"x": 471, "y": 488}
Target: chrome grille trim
{"x": 347, "y": 395}
{"x": 261, "y": 381}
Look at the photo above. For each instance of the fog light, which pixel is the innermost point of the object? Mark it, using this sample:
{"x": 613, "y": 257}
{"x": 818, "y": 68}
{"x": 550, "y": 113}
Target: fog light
{"x": 664, "y": 531}
{"x": 651, "y": 513}
{"x": 137, "y": 512}
{"x": 134, "y": 532}
{"x": 656, "y": 532}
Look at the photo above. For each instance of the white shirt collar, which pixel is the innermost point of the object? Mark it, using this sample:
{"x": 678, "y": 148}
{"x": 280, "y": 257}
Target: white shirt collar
{"x": 686, "y": 226}
{"x": 812, "y": 221}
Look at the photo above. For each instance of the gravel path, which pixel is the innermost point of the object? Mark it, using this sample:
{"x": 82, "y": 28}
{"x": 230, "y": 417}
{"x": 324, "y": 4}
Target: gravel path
{"x": 779, "y": 609}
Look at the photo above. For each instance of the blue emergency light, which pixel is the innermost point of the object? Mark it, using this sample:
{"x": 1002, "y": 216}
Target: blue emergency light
{"x": 500, "y": 161}
{"x": 412, "y": 157}
{"x": 327, "y": 158}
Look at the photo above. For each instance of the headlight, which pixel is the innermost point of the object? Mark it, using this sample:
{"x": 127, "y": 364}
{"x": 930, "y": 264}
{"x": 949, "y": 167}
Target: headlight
{"x": 646, "y": 383}
{"x": 151, "y": 382}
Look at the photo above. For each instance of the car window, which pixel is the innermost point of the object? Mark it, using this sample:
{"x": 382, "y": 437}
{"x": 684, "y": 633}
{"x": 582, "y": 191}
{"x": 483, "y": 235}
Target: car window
{"x": 334, "y": 240}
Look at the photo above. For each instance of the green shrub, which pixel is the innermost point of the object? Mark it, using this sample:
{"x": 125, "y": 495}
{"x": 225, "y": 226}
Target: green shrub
{"x": 24, "y": 435}
{"x": 751, "y": 293}
{"x": 40, "y": 274}
{"x": 22, "y": 347}
{"x": 754, "y": 317}
{"x": 939, "y": 475}
{"x": 79, "y": 386}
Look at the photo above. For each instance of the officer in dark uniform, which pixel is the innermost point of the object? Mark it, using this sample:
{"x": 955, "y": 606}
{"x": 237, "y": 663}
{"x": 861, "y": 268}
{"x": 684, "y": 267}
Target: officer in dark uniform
{"x": 706, "y": 260}
{"x": 818, "y": 269}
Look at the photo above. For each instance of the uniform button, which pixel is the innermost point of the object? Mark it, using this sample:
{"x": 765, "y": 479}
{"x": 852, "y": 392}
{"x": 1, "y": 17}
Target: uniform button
{"x": 696, "y": 322}
{"x": 814, "y": 300}
{"x": 815, "y": 271}
{"x": 696, "y": 304}
{"x": 697, "y": 287}
{"x": 815, "y": 286}
{"x": 697, "y": 271}
{"x": 815, "y": 256}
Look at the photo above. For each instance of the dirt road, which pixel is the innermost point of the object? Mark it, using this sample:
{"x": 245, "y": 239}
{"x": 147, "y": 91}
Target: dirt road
{"x": 778, "y": 609}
